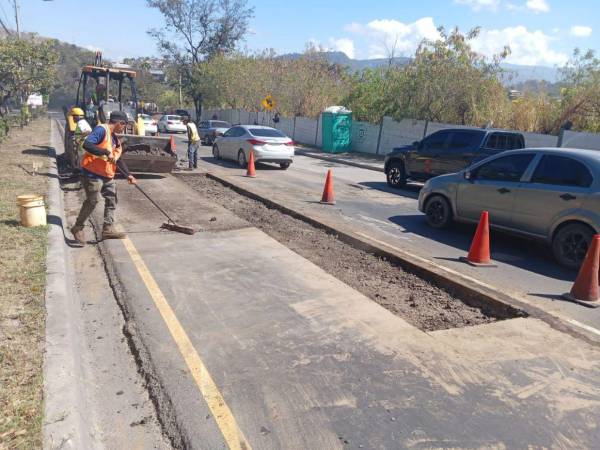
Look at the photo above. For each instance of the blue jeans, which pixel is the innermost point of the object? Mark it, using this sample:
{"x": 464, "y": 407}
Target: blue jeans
{"x": 193, "y": 155}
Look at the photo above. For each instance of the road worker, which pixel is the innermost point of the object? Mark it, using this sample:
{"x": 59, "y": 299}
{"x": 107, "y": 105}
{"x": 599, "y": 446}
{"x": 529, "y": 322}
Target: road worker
{"x": 82, "y": 129}
{"x": 101, "y": 158}
{"x": 193, "y": 139}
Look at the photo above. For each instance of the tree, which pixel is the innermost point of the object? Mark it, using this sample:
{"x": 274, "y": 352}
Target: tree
{"x": 206, "y": 29}
{"x": 580, "y": 92}
{"x": 26, "y": 67}
{"x": 446, "y": 81}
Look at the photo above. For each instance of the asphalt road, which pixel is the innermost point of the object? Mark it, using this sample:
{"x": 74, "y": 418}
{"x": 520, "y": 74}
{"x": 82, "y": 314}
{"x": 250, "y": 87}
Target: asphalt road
{"x": 525, "y": 268}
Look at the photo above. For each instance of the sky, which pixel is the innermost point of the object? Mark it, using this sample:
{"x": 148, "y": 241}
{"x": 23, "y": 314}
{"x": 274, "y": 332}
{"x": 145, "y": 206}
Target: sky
{"x": 539, "y": 32}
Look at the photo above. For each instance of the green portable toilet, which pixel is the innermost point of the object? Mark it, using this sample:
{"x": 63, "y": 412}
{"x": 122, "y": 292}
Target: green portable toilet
{"x": 337, "y": 132}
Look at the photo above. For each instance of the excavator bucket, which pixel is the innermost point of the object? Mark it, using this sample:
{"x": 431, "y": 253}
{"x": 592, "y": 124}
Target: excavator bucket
{"x": 148, "y": 153}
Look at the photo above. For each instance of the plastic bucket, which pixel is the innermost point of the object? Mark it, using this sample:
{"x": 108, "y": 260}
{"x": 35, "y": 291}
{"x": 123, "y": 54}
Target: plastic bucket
{"x": 32, "y": 210}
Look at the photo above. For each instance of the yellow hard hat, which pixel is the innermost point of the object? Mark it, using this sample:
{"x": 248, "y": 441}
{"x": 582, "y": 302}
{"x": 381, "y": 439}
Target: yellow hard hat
{"x": 76, "y": 112}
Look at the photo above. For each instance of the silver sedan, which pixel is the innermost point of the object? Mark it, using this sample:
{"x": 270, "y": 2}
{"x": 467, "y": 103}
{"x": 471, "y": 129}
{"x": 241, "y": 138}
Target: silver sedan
{"x": 551, "y": 194}
{"x": 268, "y": 145}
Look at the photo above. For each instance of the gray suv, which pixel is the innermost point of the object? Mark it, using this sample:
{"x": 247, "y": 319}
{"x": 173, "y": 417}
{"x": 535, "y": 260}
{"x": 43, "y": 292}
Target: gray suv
{"x": 446, "y": 151}
{"x": 209, "y": 130}
{"x": 552, "y": 194}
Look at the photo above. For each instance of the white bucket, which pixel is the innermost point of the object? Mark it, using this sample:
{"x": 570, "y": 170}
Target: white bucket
{"x": 33, "y": 210}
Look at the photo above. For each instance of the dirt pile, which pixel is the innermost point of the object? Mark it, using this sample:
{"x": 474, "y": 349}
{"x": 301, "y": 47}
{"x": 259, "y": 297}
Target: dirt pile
{"x": 144, "y": 149}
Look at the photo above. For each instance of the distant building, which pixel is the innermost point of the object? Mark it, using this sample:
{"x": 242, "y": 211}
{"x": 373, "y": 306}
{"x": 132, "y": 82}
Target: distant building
{"x": 158, "y": 74}
{"x": 121, "y": 66}
{"x": 513, "y": 94}
{"x": 35, "y": 100}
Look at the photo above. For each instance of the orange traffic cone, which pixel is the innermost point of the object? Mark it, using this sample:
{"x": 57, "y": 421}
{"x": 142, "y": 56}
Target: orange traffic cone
{"x": 328, "y": 197}
{"x": 172, "y": 144}
{"x": 585, "y": 288}
{"x": 479, "y": 253}
{"x": 251, "y": 171}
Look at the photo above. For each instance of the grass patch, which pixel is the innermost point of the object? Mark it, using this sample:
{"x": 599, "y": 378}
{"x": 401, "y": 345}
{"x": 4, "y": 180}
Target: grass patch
{"x": 22, "y": 288}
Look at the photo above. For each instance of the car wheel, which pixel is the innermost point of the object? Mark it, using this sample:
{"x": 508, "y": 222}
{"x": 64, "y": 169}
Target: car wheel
{"x": 396, "y": 175}
{"x": 242, "y": 159}
{"x": 284, "y": 165}
{"x": 216, "y": 152}
{"x": 438, "y": 212}
{"x": 570, "y": 244}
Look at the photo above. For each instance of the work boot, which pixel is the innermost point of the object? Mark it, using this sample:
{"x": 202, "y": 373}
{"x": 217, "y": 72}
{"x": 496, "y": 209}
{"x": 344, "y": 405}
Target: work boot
{"x": 109, "y": 232}
{"x": 77, "y": 233}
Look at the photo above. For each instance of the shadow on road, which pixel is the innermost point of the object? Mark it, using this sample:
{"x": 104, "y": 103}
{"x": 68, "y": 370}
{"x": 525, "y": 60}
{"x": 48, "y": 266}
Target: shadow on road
{"x": 411, "y": 190}
{"x": 506, "y": 248}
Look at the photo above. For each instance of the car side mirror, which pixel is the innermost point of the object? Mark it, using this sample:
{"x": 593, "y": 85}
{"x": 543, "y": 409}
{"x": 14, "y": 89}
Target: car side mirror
{"x": 468, "y": 175}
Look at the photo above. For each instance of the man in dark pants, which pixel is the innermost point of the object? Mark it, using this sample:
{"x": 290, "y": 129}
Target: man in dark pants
{"x": 102, "y": 152}
{"x": 193, "y": 140}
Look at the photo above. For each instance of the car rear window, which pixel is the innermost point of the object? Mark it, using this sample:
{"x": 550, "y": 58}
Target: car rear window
{"x": 266, "y": 132}
{"x": 173, "y": 117}
{"x": 504, "y": 141}
{"x": 562, "y": 171}
{"x": 220, "y": 124}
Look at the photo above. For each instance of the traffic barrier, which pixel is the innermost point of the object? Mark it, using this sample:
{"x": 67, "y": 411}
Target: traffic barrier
{"x": 251, "y": 171}
{"x": 328, "y": 197}
{"x": 479, "y": 253}
{"x": 585, "y": 288}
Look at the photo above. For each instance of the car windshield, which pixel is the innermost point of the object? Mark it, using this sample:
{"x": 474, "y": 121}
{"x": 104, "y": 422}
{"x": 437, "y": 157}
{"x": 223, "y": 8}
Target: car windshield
{"x": 173, "y": 117}
{"x": 266, "y": 132}
{"x": 145, "y": 116}
{"x": 220, "y": 124}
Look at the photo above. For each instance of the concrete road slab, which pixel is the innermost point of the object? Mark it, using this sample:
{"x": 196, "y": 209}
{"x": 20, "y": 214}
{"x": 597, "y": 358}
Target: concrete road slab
{"x": 304, "y": 361}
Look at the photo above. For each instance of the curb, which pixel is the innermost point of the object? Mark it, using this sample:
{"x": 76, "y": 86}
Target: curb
{"x": 339, "y": 160}
{"x": 470, "y": 290}
{"x": 145, "y": 365}
{"x": 64, "y": 423}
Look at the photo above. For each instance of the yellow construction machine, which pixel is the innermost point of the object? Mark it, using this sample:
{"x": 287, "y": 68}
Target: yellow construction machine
{"x": 102, "y": 90}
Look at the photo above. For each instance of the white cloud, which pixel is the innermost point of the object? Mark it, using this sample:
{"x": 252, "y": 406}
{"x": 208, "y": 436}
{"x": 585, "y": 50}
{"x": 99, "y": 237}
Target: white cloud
{"x": 581, "y": 31}
{"x": 527, "y": 47}
{"x": 343, "y": 45}
{"x": 385, "y": 36}
{"x": 537, "y": 6}
{"x": 478, "y": 5}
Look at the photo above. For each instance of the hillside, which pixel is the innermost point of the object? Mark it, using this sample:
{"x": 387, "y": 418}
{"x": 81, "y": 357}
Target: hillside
{"x": 515, "y": 73}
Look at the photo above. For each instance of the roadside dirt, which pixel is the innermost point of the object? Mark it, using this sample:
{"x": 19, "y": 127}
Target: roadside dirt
{"x": 24, "y": 165}
{"x": 404, "y": 294}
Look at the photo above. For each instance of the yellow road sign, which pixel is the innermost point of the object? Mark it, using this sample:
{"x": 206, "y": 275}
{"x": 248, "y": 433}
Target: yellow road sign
{"x": 268, "y": 102}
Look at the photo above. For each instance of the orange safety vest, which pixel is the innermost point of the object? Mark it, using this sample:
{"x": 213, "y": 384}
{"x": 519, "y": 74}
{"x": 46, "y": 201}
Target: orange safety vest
{"x": 100, "y": 165}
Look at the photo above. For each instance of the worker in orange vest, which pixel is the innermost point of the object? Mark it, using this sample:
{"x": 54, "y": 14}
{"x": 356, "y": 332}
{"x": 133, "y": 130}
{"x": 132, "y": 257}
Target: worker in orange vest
{"x": 101, "y": 159}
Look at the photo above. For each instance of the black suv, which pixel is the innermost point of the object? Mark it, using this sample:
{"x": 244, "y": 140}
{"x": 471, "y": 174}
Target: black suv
{"x": 446, "y": 151}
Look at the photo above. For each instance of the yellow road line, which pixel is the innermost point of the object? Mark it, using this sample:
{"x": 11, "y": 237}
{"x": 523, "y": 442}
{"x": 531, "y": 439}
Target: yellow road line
{"x": 234, "y": 437}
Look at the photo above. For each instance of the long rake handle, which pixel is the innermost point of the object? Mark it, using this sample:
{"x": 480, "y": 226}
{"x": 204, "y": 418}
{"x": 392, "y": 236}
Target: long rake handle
{"x": 154, "y": 203}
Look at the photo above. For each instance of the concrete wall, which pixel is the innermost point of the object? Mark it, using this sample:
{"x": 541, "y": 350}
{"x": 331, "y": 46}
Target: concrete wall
{"x": 396, "y": 134}
{"x": 286, "y": 126}
{"x": 306, "y": 131}
{"x": 574, "y": 139}
{"x": 364, "y": 137}
{"x": 393, "y": 134}
{"x": 533, "y": 140}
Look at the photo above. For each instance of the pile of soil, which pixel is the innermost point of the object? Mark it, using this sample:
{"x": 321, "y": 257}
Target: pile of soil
{"x": 404, "y": 294}
{"x": 144, "y": 149}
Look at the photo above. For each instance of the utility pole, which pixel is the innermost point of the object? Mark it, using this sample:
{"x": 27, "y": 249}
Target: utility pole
{"x": 16, "y": 7}
{"x": 180, "y": 94}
